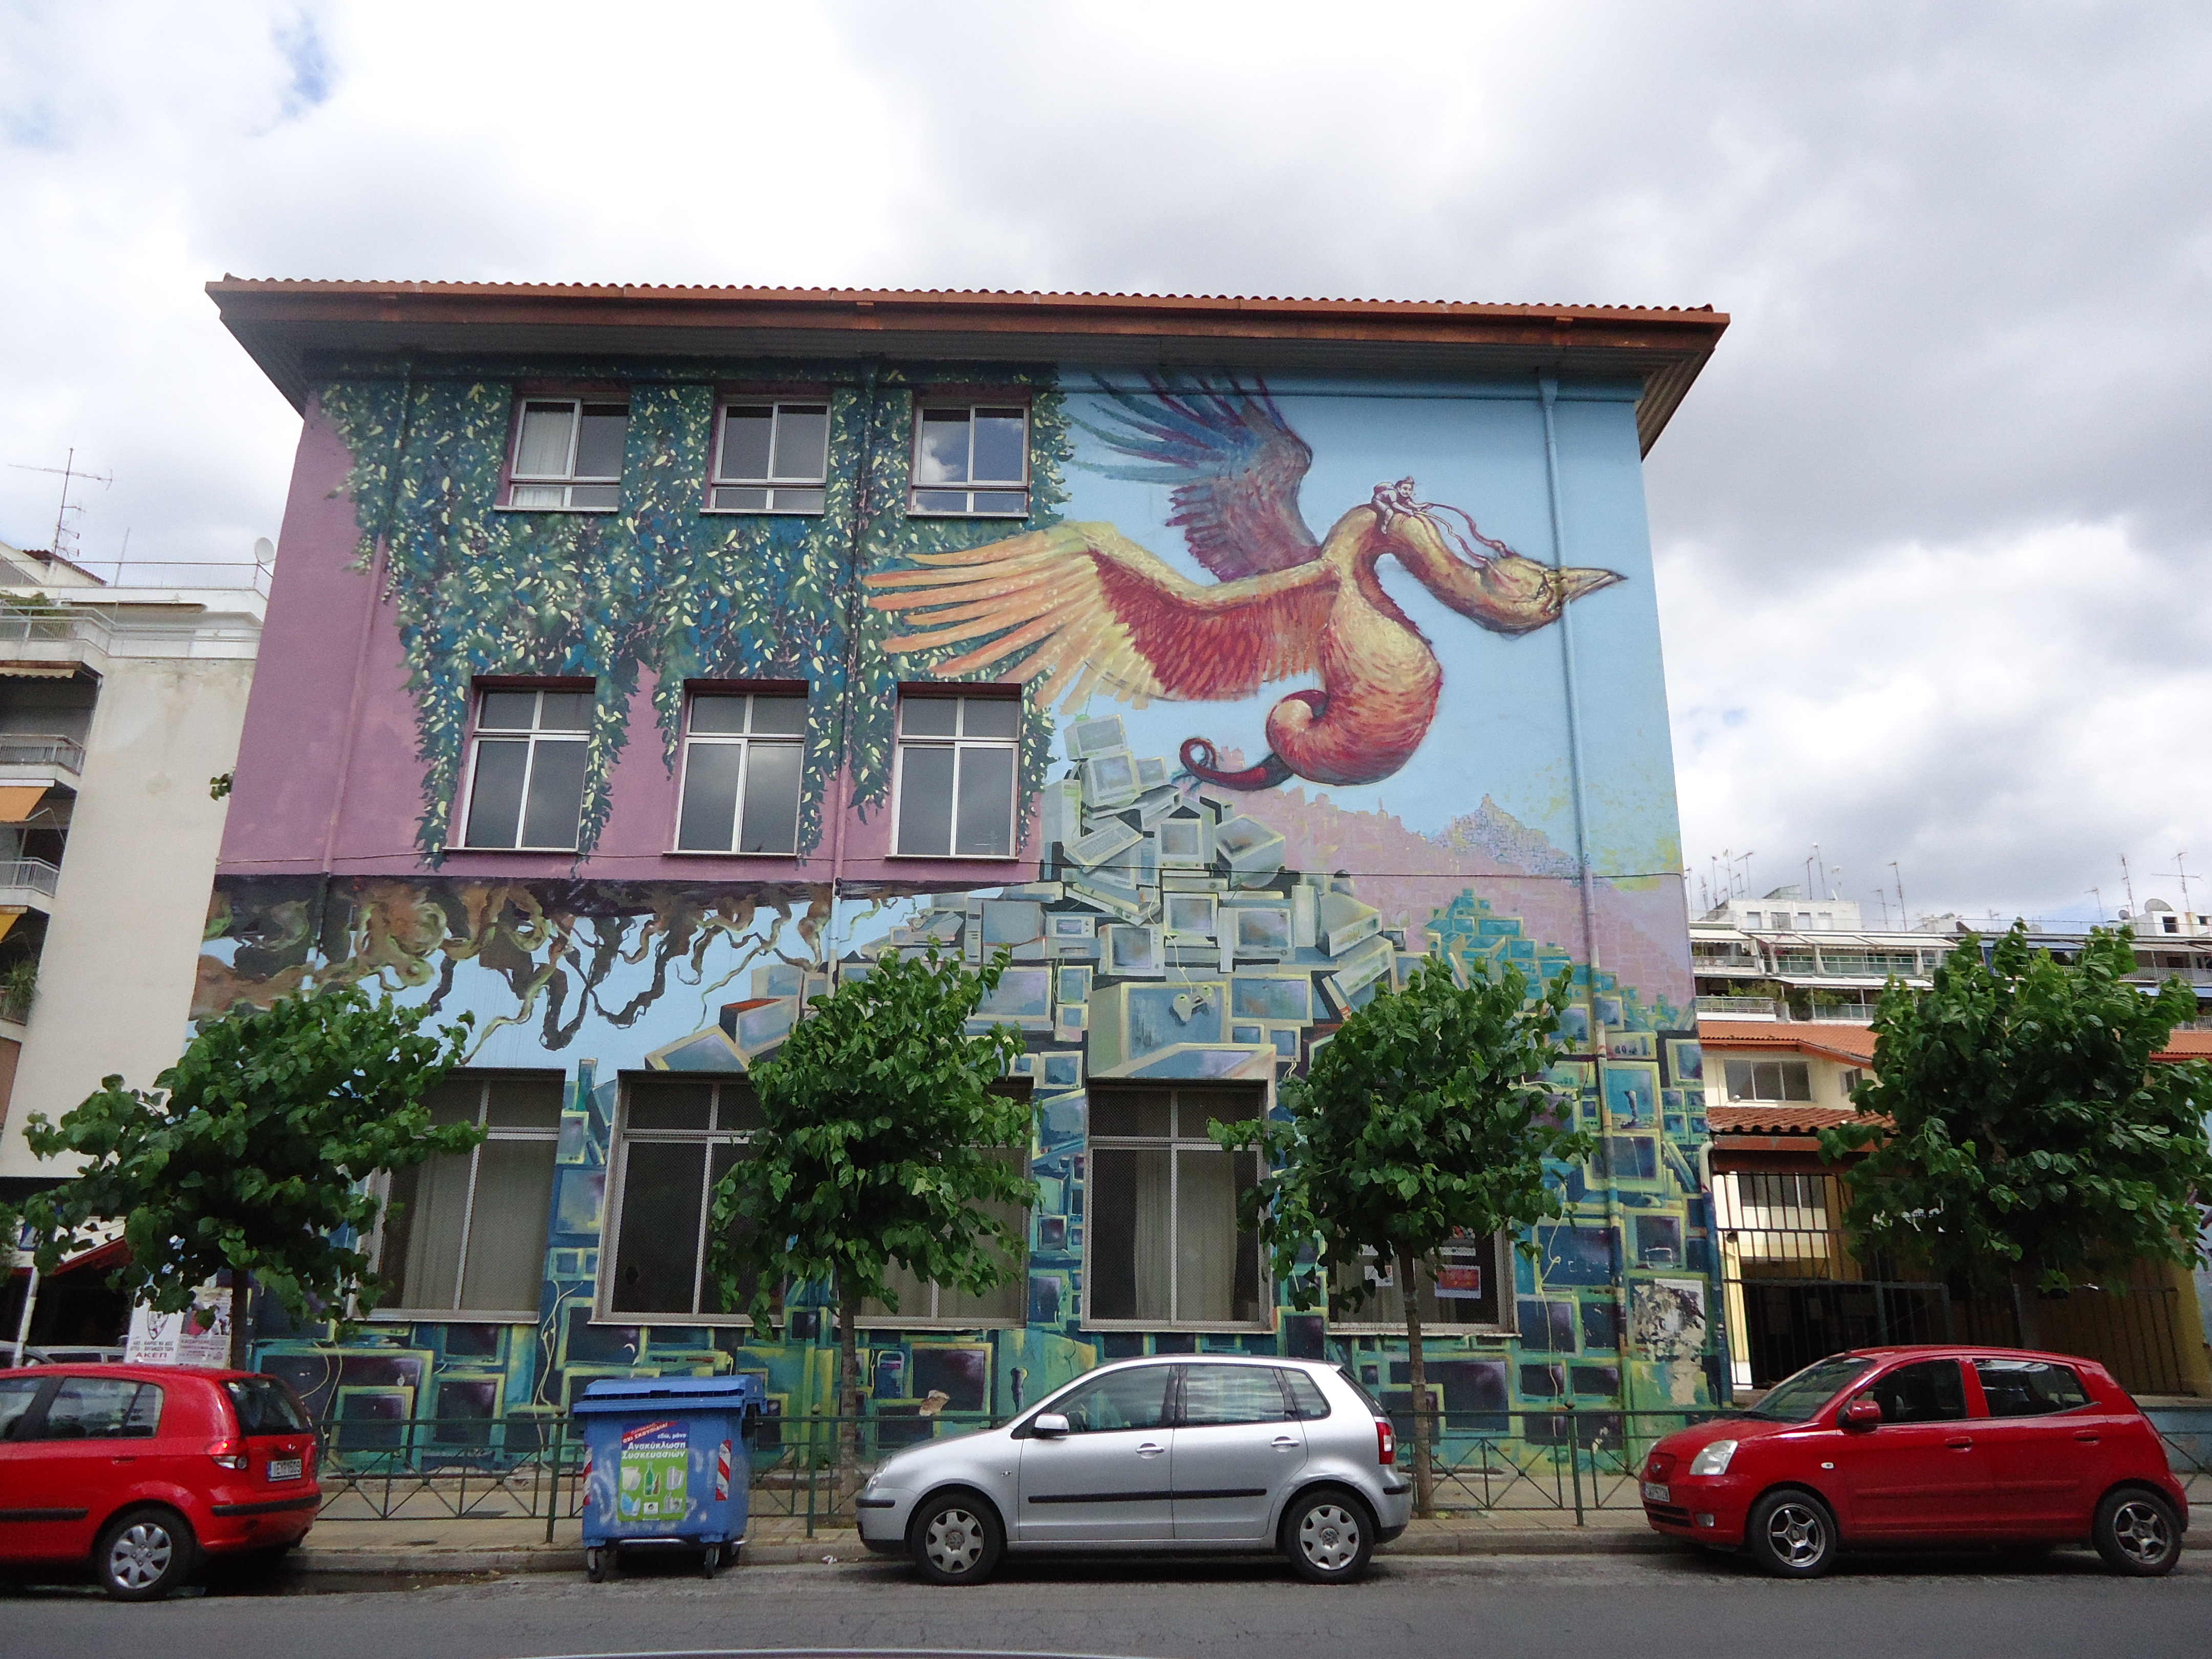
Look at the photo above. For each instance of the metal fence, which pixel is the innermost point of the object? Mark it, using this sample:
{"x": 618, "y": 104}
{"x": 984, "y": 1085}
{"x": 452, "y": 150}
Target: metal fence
{"x": 36, "y": 874}
{"x": 34, "y": 748}
{"x": 1574, "y": 1460}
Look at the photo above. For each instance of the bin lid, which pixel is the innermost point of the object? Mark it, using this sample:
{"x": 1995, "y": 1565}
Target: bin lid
{"x": 660, "y": 1393}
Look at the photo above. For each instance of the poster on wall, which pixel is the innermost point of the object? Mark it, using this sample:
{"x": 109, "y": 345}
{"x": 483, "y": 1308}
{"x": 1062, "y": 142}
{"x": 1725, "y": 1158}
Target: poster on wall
{"x": 179, "y": 1338}
{"x": 1666, "y": 1318}
{"x": 656, "y": 1462}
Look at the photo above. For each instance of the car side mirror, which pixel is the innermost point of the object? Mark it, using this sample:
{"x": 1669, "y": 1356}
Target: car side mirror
{"x": 1861, "y": 1414}
{"x": 1049, "y": 1426}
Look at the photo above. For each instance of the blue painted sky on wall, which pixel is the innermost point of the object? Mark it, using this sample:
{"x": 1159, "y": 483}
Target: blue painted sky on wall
{"x": 1501, "y": 728}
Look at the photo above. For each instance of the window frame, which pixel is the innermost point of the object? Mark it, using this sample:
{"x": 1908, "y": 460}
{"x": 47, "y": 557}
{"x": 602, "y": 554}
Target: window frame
{"x": 466, "y": 802}
{"x": 1498, "y": 1266}
{"x": 620, "y": 1138}
{"x": 974, "y": 403}
{"x": 1754, "y": 1098}
{"x": 1175, "y": 1143}
{"x": 514, "y": 476}
{"x": 960, "y": 695}
{"x": 776, "y": 402}
{"x": 792, "y": 691}
{"x": 401, "y": 1312}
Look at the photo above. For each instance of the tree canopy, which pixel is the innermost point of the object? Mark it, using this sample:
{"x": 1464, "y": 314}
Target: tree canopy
{"x": 883, "y": 1138}
{"x": 2027, "y": 1125}
{"x": 253, "y": 1153}
{"x": 1428, "y": 1116}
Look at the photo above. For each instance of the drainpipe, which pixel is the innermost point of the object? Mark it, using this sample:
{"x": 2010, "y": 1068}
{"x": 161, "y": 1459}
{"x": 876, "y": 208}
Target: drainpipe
{"x": 1547, "y": 388}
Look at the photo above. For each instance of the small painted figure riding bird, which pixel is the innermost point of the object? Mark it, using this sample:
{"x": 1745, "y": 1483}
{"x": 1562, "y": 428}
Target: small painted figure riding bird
{"x": 1082, "y": 608}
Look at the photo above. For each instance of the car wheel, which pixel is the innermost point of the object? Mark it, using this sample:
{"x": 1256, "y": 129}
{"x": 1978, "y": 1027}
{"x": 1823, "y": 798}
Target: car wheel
{"x": 1791, "y": 1535}
{"x": 1329, "y": 1537}
{"x": 143, "y": 1554}
{"x": 2138, "y": 1533}
{"x": 956, "y": 1539}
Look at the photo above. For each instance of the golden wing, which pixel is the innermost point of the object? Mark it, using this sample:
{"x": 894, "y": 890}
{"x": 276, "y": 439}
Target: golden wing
{"x": 1092, "y": 610}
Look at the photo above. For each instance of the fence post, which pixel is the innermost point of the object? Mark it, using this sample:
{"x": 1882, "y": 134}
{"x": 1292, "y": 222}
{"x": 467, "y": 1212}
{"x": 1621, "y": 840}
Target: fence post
{"x": 813, "y": 1422}
{"x": 1575, "y": 1463}
{"x": 553, "y": 1497}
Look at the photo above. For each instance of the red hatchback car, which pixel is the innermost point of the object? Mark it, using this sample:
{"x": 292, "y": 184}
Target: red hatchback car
{"x": 143, "y": 1470}
{"x": 1924, "y": 1445}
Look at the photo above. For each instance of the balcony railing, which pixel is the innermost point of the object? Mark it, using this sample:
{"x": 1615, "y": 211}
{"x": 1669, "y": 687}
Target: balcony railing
{"x": 1757, "y": 1007}
{"x": 36, "y": 874}
{"x": 33, "y": 749}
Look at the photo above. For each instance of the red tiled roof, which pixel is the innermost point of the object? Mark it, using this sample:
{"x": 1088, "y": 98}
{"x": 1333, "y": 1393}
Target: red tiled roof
{"x": 1768, "y": 1119}
{"x": 284, "y": 323}
{"x": 1853, "y": 1044}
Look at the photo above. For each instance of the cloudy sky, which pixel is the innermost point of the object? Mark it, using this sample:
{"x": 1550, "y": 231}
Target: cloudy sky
{"x": 1926, "y": 527}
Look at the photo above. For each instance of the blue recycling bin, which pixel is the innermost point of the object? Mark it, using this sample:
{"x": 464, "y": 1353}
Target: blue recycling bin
{"x": 667, "y": 1462}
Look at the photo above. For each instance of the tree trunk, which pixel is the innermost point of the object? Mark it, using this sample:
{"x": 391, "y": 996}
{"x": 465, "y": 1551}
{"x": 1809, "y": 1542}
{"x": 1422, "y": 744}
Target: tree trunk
{"x": 1424, "y": 1487}
{"x": 848, "y": 1391}
{"x": 241, "y": 1321}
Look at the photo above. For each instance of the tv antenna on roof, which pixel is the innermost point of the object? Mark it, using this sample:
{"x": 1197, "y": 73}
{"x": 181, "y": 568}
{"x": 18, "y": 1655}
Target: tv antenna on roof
{"x": 68, "y": 473}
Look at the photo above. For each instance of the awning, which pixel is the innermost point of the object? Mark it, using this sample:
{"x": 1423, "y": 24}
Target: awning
{"x": 19, "y": 800}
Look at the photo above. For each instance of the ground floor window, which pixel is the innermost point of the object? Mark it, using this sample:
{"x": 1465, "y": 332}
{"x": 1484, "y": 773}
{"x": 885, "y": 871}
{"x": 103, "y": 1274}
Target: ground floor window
{"x": 922, "y": 1304}
{"x": 676, "y": 1137}
{"x": 1462, "y": 1290}
{"x": 1160, "y": 1209}
{"x": 467, "y": 1234}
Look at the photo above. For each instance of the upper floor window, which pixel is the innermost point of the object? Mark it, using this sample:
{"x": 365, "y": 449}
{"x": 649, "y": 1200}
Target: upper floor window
{"x": 526, "y": 776}
{"x": 1770, "y": 1079}
{"x": 568, "y": 454}
{"x": 742, "y": 756}
{"x": 953, "y": 791}
{"x": 771, "y": 458}
{"x": 971, "y": 458}
{"x": 467, "y": 1234}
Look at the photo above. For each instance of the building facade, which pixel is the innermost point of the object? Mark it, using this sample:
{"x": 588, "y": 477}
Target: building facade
{"x": 642, "y": 663}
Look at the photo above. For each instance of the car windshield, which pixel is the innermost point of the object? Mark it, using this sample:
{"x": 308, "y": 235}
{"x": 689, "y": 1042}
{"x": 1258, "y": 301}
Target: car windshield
{"x": 264, "y": 1406}
{"x": 1795, "y": 1399}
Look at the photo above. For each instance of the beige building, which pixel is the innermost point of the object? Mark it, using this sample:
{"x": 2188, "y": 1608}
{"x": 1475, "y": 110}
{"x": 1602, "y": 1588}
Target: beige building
{"x": 118, "y": 704}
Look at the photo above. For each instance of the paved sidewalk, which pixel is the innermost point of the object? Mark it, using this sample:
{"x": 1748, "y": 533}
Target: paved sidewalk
{"x": 446, "y": 1546}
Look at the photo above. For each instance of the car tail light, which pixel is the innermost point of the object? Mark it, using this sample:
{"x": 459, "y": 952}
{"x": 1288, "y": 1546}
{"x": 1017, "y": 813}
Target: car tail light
{"x": 1386, "y": 1444}
{"x": 228, "y": 1454}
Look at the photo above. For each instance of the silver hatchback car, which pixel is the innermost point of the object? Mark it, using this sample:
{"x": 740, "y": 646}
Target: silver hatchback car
{"x": 1199, "y": 1453}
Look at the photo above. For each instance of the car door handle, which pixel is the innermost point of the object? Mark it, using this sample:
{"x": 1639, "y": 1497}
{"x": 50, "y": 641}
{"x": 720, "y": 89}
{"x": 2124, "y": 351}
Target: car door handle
{"x": 1150, "y": 1448}
{"x": 2086, "y": 1439}
{"x": 1285, "y": 1443}
{"x": 1958, "y": 1445}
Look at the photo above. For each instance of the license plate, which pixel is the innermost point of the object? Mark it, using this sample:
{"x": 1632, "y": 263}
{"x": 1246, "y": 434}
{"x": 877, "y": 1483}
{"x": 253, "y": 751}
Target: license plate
{"x": 288, "y": 1468}
{"x": 1655, "y": 1493}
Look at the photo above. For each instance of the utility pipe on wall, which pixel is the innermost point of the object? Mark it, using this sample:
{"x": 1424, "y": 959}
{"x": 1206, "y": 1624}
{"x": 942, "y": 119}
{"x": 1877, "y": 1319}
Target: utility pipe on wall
{"x": 1547, "y": 389}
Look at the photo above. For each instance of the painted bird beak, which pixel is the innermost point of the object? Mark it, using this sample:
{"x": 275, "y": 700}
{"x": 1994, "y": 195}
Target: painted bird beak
{"x": 1576, "y": 581}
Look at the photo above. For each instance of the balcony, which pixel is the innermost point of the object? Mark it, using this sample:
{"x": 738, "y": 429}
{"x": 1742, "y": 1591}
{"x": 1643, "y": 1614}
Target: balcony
{"x": 29, "y": 883}
{"x": 1743, "y": 1007}
{"x": 27, "y": 757}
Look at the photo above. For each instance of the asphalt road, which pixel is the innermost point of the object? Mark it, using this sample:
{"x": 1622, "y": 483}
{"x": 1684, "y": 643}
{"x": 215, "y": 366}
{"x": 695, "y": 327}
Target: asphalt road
{"x": 1876, "y": 1609}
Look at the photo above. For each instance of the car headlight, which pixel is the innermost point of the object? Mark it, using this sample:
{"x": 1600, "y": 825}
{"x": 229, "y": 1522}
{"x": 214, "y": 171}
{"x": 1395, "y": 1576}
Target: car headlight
{"x": 1714, "y": 1459}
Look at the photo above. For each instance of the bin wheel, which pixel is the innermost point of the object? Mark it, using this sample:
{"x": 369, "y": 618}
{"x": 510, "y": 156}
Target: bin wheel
{"x": 710, "y": 1561}
{"x": 595, "y": 1565}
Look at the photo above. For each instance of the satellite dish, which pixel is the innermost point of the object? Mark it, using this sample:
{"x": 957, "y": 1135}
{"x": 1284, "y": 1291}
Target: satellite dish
{"x": 265, "y": 550}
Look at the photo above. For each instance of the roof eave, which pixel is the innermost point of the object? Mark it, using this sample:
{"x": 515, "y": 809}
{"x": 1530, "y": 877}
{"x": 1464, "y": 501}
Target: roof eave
{"x": 282, "y": 324}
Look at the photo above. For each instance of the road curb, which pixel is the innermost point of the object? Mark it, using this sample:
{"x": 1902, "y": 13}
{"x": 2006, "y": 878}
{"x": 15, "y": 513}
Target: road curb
{"x": 846, "y": 1550}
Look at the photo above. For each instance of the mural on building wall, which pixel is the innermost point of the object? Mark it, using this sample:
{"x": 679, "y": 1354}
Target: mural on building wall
{"x": 1184, "y": 914}
{"x": 1076, "y": 608}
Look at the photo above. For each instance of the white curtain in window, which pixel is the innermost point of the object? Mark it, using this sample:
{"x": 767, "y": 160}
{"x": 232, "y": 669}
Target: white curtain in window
{"x": 1206, "y": 1236}
{"x": 507, "y": 1236}
{"x": 434, "y": 1199}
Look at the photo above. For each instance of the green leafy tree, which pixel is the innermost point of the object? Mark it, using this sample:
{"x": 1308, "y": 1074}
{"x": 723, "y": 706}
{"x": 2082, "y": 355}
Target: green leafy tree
{"x": 253, "y": 1153}
{"x": 2027, "y": 1127}
{"x": 883, "y": 1139}
{"x": 1427, "y": 1116}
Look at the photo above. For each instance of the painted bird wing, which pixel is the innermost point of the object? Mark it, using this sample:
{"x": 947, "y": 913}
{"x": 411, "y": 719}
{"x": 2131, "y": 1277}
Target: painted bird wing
{"x": 1235, "y": 463}
{"x": 1081, "y": 607}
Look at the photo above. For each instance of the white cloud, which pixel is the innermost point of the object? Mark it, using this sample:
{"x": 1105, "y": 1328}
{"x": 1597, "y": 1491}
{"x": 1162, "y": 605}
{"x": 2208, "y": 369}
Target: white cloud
{"x": 1968, "y": 255}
